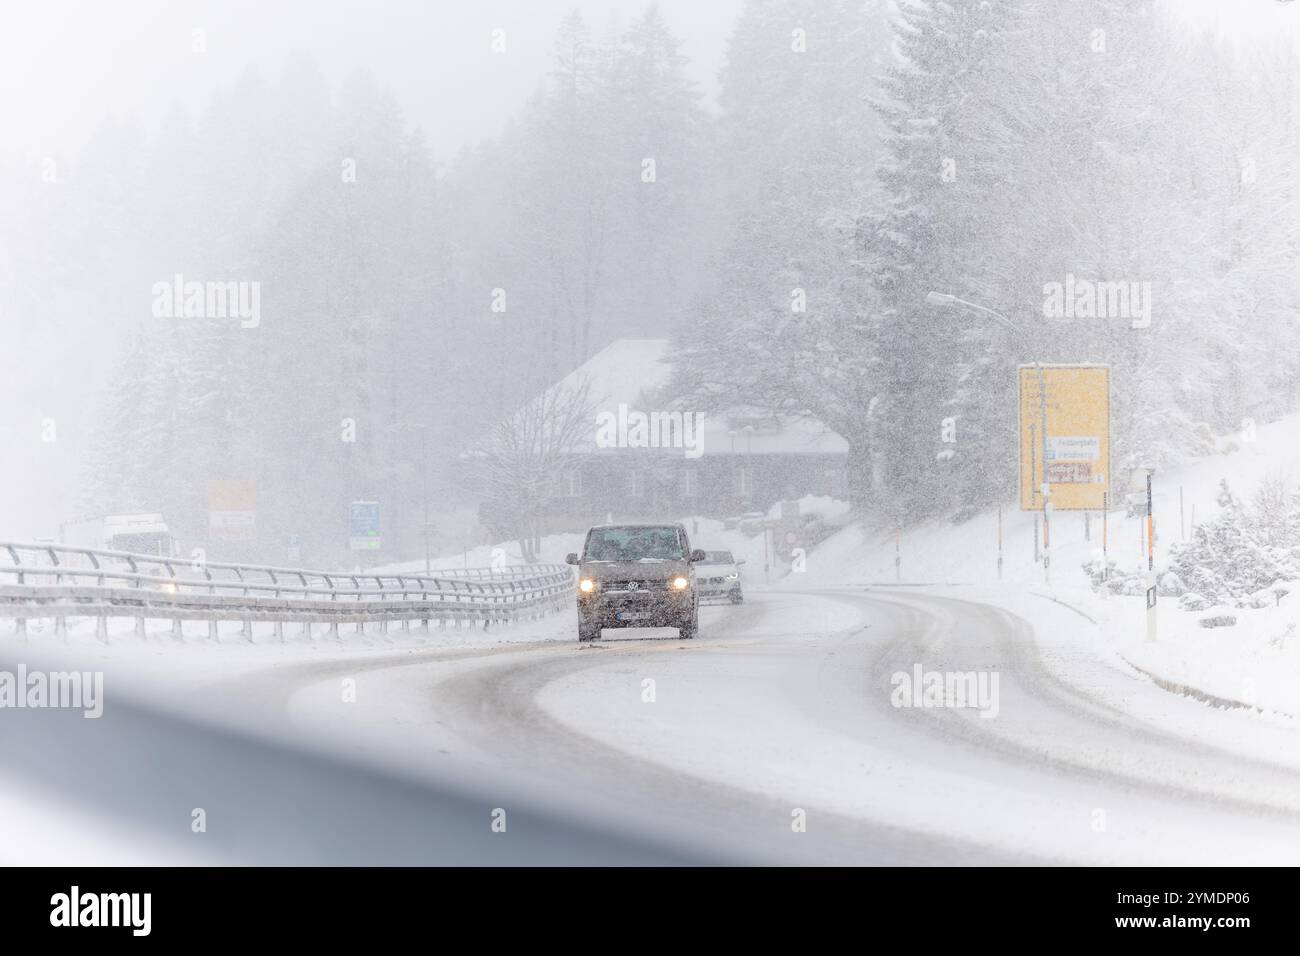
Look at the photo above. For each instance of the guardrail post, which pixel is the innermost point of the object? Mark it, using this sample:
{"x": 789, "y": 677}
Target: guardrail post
{"x": 246, "y": 629}
{"x": 306, "y": 630}
{"x": 101, "y": 628}
{"x": 214, "y": 632}
{"x": 334, "y": 630}
{"x": 21, "y": 627}
{"x": 139, "y": 628}
{"x": 178, "y": 633}
{"x": 61, "y": 627}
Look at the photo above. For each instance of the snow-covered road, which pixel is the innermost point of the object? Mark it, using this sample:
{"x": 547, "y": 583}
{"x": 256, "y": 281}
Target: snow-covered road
{"x": 783, "y": 712}
{"x": 786, "y": 705}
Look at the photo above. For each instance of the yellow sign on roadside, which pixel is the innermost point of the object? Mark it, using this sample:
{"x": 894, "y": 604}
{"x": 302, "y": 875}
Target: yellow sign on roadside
{"x": 1074, "y": 456}
{"x": 232, "y": 510}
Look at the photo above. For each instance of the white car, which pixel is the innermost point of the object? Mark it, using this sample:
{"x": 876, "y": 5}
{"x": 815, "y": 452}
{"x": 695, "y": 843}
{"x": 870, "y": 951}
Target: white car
{"x": 717, "y": 577}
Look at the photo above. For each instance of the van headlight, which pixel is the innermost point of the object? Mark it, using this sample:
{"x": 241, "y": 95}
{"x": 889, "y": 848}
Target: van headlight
{"x": 680, "y": 584}
{"x": 586, "y": 585}
{"x": 734, "y": 576}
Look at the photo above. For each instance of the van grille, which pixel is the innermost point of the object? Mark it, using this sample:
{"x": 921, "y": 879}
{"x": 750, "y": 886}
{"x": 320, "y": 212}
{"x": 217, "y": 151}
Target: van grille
{"x": 641, "y": 585}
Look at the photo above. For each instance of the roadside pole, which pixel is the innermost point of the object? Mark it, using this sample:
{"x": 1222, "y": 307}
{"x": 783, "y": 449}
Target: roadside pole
{"x": 1105, "y": 528}
{"x": 1105, "y": 562}
{"x": 767, "y": 562}
{"x": 898, "y": 555}
{"x": 1033, "y": 478}
{"x": 424, "y": 495}
{"x": 1047, "y": 534}
{"x": 999, "y": 542}
{"x": 1151, "y": 567}
{"x": 1047, "y": 485}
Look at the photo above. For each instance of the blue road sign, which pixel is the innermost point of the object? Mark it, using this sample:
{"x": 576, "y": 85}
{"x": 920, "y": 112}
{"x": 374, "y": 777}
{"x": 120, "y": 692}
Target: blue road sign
{"x": 364, "y": 526}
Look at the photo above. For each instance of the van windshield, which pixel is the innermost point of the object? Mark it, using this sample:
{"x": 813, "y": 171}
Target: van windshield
{"x": 634, "y": 544}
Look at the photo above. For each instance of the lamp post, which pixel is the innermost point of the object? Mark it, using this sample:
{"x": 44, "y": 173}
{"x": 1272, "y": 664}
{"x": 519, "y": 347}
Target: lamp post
{"x": 947, "y": 301}
{"x": 1146, "y": 473}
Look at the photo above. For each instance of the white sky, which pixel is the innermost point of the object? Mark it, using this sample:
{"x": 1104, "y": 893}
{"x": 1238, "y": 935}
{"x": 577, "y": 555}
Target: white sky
{"x": 66, "y": 64}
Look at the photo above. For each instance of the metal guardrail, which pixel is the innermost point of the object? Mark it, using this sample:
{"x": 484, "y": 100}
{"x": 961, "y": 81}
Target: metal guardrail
{"x": 47, "y": 581}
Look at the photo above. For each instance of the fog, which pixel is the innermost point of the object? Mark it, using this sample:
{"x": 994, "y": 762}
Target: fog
{"x": 155, "y": 140}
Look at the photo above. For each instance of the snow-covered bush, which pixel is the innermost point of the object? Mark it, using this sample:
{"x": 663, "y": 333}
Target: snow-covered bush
{"x": 1117, "y": 581}
{"x": 1271, "y": 596}
{"x": 1218, "y": 620}
{"x": 1243, "y": 555}
{"x": 1171, "y": 585}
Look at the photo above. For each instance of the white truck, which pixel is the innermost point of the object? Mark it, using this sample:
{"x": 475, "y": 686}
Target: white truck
{"x": 136, "y": 533}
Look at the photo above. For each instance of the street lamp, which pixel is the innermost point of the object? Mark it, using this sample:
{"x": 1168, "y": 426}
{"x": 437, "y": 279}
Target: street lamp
{"x": 948, "y": 301}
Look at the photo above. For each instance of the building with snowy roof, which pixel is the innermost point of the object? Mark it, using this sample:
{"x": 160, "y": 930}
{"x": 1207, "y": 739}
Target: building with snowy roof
{"x": 643, "y": 454}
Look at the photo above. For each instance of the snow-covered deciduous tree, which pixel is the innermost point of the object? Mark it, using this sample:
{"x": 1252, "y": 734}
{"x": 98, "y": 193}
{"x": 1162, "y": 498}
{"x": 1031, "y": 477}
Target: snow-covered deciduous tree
{"x": 522, "y": 460}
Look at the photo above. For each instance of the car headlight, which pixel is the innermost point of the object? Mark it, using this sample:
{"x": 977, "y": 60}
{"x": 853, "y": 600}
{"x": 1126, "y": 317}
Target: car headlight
{"x": 681, "y": 584}
{"x": 734, "y": 576}
{"x": 586, "y": 585}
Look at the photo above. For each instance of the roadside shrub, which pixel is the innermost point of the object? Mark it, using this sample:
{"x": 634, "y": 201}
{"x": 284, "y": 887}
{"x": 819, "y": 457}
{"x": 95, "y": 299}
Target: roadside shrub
{"x": 1245, "y": 550}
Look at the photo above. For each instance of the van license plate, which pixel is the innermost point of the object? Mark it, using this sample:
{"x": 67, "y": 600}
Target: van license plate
{"x": 633, "y": 615}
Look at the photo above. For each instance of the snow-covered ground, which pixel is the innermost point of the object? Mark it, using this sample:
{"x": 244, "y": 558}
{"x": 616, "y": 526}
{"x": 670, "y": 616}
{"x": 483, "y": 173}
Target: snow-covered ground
{"x": 782, "y": 704}
{"x": 1254, "y": 662}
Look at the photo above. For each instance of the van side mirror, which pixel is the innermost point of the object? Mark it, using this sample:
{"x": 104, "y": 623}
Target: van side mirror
{"x": 696, "y": 556}
{"x": 741, "y": 561}
{"x": 571, "y": 558}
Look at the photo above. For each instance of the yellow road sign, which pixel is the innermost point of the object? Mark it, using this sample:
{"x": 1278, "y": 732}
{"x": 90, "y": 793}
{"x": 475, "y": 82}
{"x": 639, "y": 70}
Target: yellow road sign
{"x": 232, "y": 510}
{"x": 1074, "y": 459}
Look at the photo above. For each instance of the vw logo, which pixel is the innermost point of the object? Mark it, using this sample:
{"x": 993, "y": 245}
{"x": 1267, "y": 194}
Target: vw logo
{"x": 633, "y": 585}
